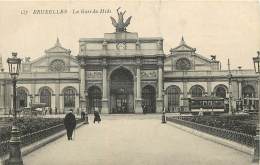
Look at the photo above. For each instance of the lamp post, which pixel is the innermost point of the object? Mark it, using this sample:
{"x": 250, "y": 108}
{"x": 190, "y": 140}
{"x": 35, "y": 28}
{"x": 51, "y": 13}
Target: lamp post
{"x": 15, "y": 157}
{"x": 31, "y": 99}
{"x": 86, "y": 103}
{"x": 163, "y": 108}
{"x": 229, "y": 90}
{"x": 256, "y": 61}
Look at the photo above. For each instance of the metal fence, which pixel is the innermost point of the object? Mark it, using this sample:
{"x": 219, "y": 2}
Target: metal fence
{"x": 238, "y": 137}
{"x": 33, "y": 137}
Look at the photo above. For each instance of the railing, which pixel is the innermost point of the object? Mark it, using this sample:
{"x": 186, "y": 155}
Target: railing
{"x": 238, "y": 137}
{"x": 33, "y": 137}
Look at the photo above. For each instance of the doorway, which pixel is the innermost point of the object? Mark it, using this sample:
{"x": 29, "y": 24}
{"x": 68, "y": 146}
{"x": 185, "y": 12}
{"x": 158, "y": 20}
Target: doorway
{"x": 121, "y": 91}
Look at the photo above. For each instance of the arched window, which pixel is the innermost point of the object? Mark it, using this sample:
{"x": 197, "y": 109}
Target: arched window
{"x": 45, "y": 96}
{"x": 149, "y": 99}
{"x": 69, "y": 97}
{"x": 21, "y": 98}
{"x": 197, "y": 91}
{"x": 221, "y": 92}
{"x": 173, "y": 95}
{"x": 248, "y": 91}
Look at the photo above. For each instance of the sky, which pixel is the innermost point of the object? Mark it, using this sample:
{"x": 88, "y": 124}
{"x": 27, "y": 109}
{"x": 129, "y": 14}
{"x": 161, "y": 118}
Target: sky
{"x": 227, "y": 29}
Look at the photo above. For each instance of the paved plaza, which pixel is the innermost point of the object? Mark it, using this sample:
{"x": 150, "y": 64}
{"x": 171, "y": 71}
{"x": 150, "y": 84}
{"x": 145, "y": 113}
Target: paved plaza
{"x": 134, "y": 140}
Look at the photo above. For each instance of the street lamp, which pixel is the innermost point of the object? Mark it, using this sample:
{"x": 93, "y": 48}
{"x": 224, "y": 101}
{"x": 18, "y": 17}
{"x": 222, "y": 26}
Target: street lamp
{"x": 31, "y": 104}
{"x": 15, "y": 157}
{"x": 256, "y": 61}
{"x": 229, "y": 90}
{"x": 86, "y": 102}
{"x": 163, "y": 108}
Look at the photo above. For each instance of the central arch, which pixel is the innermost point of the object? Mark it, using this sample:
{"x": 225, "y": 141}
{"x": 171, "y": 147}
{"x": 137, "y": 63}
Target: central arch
{"x": 121, "y": 91}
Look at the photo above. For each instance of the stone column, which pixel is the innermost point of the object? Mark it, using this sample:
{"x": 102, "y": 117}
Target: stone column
{"x": 1, "y": 98}
{"x": 138, "y": 108}
{"x": 82, "y": 87}
{"x": 104, "y": 91}
{"x": 185, "y": 94}
{"x": 138, "y": 83}
{"x": 239, "y": 89}
{"x": 33, "y": 92}
{"x": 159, "y": 102}
{"x": 160, "y": 77}
{"x": 209, "y": 88}
{"x": 57, "y": 97}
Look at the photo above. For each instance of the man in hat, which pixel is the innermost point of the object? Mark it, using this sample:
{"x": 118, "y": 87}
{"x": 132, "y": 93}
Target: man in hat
{"x": 96, "y": 116}
{"x": 70, "y": 123}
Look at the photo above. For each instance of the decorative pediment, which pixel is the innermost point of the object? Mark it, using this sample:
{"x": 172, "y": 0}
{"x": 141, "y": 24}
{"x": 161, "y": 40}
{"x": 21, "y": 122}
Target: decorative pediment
{"x": 57, "y": 48}
{"x": 183, "y": 47}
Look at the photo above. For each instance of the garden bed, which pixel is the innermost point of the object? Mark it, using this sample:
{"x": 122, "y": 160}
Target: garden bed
{"x": 31, "y": 130}
{"x": 29, "y": 125}
{"x": 239, "y": 123}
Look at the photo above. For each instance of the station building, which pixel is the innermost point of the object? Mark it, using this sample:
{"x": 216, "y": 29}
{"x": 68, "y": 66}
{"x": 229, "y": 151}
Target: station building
{"x": 125, "y": 73}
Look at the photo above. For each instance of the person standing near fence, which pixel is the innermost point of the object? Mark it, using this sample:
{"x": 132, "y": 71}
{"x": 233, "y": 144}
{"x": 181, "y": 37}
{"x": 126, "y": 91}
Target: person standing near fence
{"x": 70, "y": 124}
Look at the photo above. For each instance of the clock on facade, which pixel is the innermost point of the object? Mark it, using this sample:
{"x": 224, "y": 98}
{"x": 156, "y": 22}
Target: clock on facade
{"x": 183, "y": 64}
{"x": 121, "y": 45}
{"x": 57, "y": 65}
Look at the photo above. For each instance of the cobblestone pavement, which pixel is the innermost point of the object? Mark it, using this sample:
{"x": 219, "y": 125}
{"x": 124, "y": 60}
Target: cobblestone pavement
{"x": 134, "y": 140}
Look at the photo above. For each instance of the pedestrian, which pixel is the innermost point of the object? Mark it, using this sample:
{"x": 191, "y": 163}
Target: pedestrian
{"x": 56, "y": 110}
{"x": 70, "y": 124}
{"x": 45, "y": 111}
{"x": 96, "y": 116}
{"x": 82, "y": 115}
{"x": 50, "y": 110}
{"x": 86, "y": 118}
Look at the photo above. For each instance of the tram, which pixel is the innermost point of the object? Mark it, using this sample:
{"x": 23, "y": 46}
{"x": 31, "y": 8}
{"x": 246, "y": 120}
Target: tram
{"x": 207, "y": 105}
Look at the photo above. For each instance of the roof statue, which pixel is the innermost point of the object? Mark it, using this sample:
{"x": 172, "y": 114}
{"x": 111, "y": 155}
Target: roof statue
{"x": 120, "y": 25}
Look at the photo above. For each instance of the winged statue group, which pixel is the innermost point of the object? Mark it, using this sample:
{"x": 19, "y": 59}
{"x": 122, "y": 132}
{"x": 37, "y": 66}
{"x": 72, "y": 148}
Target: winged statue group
{"x": 120, "y": 25}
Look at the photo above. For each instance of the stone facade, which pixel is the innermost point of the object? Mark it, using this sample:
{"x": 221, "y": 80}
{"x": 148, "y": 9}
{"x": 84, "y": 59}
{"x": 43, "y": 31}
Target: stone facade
{"x": 124, "y": 73}
{"x": 120, "y": 65}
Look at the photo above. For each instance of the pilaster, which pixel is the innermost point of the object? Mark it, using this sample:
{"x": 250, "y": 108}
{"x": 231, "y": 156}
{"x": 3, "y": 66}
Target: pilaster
{"x": 82, "y": 88}
{"x": 57, "y": 96}
{"x": 138, "y": 99}
{"x": 209, "y": 87}
{"x": 239, "y": 89}
{"x": 185, "y": 93}
{"x": 104, "y": 86}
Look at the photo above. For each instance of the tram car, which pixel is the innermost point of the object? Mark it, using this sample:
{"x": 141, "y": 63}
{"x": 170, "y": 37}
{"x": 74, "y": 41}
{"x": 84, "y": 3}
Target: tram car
{"x": 207, "y": 105}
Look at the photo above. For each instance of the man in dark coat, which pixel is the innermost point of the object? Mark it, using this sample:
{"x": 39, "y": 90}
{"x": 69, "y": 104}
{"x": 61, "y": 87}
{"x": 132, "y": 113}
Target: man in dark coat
{"x": 70, "y": 124}
{"x": 96, "y": 116}
{"x": 82, "y": 115}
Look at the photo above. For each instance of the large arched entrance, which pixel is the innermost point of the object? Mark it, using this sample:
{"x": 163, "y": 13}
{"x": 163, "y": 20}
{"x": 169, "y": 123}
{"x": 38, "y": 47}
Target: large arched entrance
{"x": 149, "y": 99}
{"x": 121, "y": 91}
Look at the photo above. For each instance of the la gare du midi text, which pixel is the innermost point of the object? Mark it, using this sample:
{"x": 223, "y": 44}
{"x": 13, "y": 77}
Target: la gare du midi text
{"x": 73, "y": 11}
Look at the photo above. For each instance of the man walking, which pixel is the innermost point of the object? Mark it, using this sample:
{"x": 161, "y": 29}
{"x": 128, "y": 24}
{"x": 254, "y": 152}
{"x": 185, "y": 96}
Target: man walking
{"x": 70, "y": 124}
{"x": 82, "y": 115}
{"x": 96, "y": 116}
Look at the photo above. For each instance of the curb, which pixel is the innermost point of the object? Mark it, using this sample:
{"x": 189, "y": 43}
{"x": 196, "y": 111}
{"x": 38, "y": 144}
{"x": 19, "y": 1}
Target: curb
{"x": 37, "y": 145}
{"x": 239, "y": 147}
